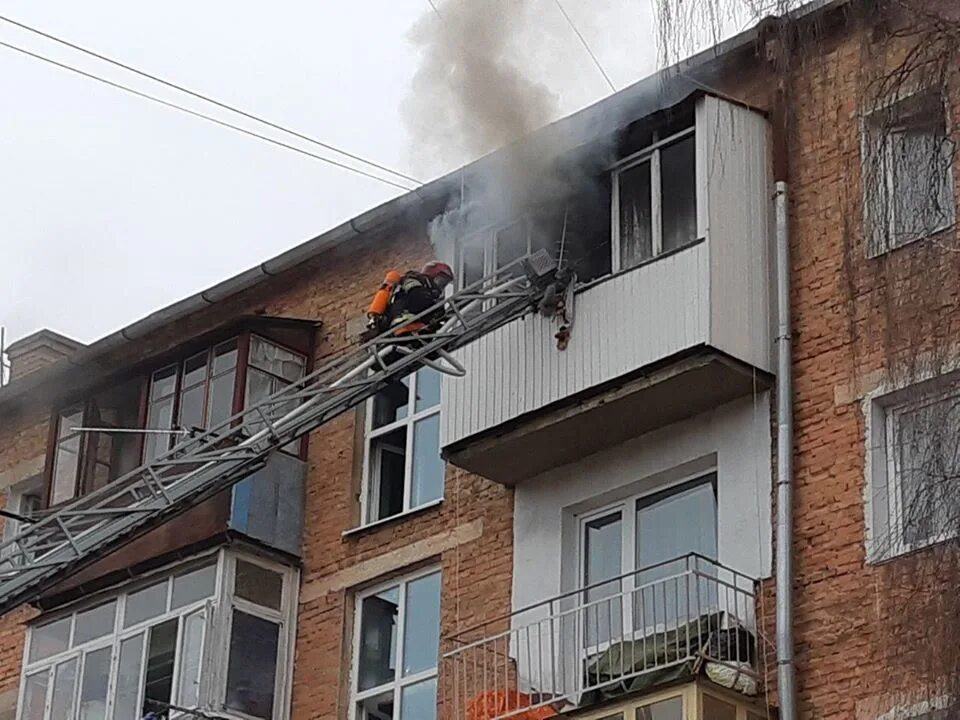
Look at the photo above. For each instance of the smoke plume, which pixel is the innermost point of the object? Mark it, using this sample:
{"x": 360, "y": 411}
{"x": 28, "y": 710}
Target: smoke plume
{"x": 470, "y": 95}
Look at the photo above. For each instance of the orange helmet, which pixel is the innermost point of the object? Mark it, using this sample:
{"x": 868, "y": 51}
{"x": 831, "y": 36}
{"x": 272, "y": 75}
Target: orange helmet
{"x": 436, "y": 270}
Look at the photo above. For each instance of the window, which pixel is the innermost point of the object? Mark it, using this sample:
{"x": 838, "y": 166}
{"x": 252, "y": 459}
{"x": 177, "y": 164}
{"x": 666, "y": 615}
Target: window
{"x": 914, "y": 483}
{"x": 85, "y": 454}
{"x": 655, "y": 201}
{"x": 26, "y": 499}
{"x": 644, "y": 534}
{"x": 908, "y": 169}
{"x": 496, "y": 247}
{"x": 159, "y": 644}
{"x": 671, "y": 709}
{"x": 396, "y": 650}
{"x": 403, "y": 467}
{"x": 201, "y": 391}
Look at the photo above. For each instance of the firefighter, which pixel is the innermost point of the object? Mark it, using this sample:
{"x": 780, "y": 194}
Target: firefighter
{"x": 401, "y": 298}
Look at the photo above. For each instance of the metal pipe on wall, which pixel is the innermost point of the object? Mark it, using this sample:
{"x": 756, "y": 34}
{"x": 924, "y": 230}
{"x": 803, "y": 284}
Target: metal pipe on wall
{"x": 786, "y": 671}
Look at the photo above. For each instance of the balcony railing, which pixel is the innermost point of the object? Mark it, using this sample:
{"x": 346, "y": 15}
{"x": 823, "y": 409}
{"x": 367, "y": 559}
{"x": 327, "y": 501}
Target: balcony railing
{"x": 610, "y": 638}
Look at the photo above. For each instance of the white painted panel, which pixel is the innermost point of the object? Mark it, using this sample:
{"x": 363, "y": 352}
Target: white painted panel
{"x": 733, "y": 440}
{"x": 734, "y": 175}
{"x": 622, "y": 324}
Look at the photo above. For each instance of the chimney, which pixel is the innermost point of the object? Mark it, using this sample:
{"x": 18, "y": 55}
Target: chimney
{"x": 38, "y": 350}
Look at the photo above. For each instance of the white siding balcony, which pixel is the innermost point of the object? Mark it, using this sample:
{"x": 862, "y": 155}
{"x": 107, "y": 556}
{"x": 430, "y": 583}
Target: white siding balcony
{"x": 683, "y": 327}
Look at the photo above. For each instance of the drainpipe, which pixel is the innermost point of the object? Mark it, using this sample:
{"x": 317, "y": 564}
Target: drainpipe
{"x": 786, "y": 687}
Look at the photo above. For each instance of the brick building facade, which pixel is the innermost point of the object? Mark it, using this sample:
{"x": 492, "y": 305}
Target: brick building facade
{"x": 649, "y": 437}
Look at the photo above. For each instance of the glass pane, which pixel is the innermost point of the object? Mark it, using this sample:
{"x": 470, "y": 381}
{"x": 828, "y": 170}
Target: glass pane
{"x": 161, "y": 654}
{"x": 428, "y": 467}
{"x": 93, "y": 688}
{"x": 378, "y": 638}
{"x": 378, "y": 707}
{"x": 163, "y": 382}
{"x": 636, "y": 228}
{"x": 511, "y": 244}
{"x": 259, "y": 585}
{"x": 64, "y": 689}
{"x": 421, "y": 635}
{"x": 194, "y": 370}
{"x": 126, "y": 703}
{"x": 95, "y": 623}
{"x": 670, "y": 527}
{"x": 49, "y": 639}
{"x": 428, "y": 389}
{"x": 671, "y": 709}
{"x": 603, "y": 546}
{"x": 191, "y": 407}
{"x": 190, "y": 656}
{"x": 678, "y": 192}
{"x": 275, "y": 360}
{"x": 220, "y": 400}
{"x": 472, "y": 268}
{"x": 225, "y": 356}
{"x": 419, "y": 702}
{"x": 159, "y": 417}
{"x": 193, "y": 586}
{"x": 388, "y": 460}
{"x": 252, "y": 670}
{"x": 260, "y": 385}
{"x": 716, "y": 709}
{"x": 65, "y": 466}
{"x": 35, "y": 695}
{"x": 145, "y": 604}
{"x": 390, "y": 404}
{"x": 69, "y": 420}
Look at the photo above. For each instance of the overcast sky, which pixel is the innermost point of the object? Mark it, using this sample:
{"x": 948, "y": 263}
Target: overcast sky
{"x": 112, "y": 207}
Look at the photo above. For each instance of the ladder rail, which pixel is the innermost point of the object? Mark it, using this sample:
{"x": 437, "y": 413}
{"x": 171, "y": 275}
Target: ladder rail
{"x": 199, "y": 466}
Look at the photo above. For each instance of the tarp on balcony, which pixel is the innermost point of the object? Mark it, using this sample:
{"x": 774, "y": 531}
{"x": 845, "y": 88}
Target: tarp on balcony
{"x": 661, "y": 658}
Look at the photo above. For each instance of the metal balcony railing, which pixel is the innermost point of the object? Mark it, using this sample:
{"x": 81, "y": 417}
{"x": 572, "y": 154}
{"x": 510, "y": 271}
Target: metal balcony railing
{"x": 604, "y": 639}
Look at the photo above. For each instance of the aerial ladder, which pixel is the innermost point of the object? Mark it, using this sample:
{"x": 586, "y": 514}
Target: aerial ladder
{"x": 77, "y": 534}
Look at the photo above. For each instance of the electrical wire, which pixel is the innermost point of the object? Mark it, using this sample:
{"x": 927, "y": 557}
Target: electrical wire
{"x": 206, "y": 98}
{"x": 435, "y": 8}
{"x": 201, "y": 115}
{"x": 586, "y": 45}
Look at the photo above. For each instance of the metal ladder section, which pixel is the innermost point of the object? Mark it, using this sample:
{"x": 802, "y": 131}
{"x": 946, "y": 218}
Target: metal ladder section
{"x": 79, "y": 533}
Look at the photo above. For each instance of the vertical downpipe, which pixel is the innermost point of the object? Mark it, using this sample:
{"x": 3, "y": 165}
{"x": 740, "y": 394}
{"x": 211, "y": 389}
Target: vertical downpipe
{"x": 786, "y": 668}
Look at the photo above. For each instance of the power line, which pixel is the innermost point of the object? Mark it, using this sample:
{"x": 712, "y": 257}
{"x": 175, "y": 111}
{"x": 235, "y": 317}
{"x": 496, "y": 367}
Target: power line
{"x": 195, "y": 113}
{"x": 586, "y": 46}
{"x": 218, "y": 103}
{"x": 435, "y": 8}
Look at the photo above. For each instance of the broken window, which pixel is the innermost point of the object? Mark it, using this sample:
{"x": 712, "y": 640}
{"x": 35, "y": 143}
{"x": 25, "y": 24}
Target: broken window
{"x": 396, "y": 649}
{"x": 87, "y": 453}
{"x": 161, "y": 651}
{"x": 655, "y": 201}
{"x": 908, "y": 170}
{"x": 404, "y": 469}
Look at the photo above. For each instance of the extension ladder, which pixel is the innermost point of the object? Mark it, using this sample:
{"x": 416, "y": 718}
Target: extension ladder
{"x": 80, "y": 532}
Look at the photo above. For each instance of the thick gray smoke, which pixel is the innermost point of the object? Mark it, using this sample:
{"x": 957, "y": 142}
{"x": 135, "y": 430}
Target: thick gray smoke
{"x": 470, "y": 95}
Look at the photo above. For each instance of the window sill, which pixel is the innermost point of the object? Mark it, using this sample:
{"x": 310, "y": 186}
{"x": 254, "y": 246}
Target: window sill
{"x": 888, "y": 248}
{"x": 361, "y": 529}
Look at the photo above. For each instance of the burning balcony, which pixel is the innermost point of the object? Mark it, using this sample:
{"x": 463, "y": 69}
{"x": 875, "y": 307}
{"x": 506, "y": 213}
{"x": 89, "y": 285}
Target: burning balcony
{"x": 676, "y": 620}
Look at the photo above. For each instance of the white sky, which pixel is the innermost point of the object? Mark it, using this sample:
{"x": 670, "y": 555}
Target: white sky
{"x": 112, "y": 206}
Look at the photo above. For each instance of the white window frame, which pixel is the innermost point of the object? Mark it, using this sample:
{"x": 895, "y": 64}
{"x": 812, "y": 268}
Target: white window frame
{"x": 486, "y": 240}
{"x": 16, "y": 495}
{"x": 370, "y": 487}
{"x": 649, "y": 154}
{"x": 628, "y": 550}
{"x": 880, "y": 238}
{"x": 911, "y": 399}
{"x": 214, "y": 655}
{"x": 399, "y": 681}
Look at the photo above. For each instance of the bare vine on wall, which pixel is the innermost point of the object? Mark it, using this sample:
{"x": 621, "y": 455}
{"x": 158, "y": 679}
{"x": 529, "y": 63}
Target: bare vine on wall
{"x": 899, "y": 279}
